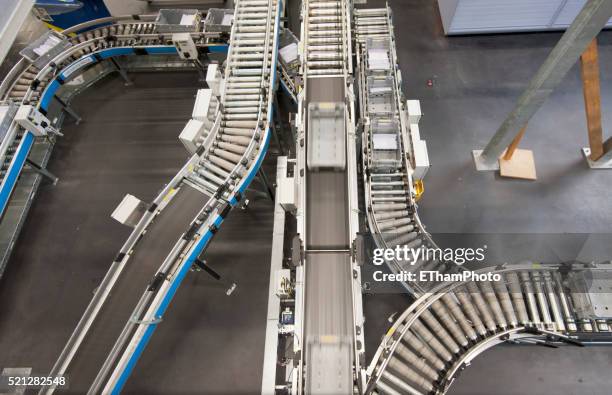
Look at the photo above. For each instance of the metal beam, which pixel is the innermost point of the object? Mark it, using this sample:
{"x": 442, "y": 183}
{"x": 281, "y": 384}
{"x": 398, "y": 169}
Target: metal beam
{"x": 589, "y": 22}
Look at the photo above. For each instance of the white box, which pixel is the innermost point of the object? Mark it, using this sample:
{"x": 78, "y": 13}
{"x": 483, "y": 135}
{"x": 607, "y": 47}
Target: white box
{"x": 204, "y": 107}
{"x": 32, "y": 120}
{"x": 129, "y": 211}
{"x": 419, "y": 150}
{"x": 185, "y": 46}
{"x": 421, "y": 160}
{"x": 414, "y": 111}
{"x": 190, "y": 135}
{"x": 287, "y": 194}
{"x": 213, "y": 78}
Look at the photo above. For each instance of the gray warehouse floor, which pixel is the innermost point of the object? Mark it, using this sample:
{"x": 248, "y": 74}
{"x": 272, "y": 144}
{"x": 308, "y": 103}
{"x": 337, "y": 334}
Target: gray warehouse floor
{"x": 212, "y": 343}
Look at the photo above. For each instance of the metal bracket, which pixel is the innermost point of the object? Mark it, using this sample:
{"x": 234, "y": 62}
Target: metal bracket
{"x": 598, "y": 164}
{"x": 480, "y": 164}
{"x": 153, "y": 321}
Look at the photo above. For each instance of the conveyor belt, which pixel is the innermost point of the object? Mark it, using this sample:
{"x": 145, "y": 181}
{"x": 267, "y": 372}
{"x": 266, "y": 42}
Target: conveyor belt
{"x": 140, "y": 269}
{"x": 328, "y": 324}
{"x": 329, "y": 327}
{"x": 327, "y": 213}
{"x": 117, "y": 324}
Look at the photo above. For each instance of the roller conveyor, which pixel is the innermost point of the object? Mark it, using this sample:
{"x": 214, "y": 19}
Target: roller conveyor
{"x": 182, "y": 220}
{"x": 390, "y": 194}
{"x": 500, "y": 305}
{"x": 447, "y": 326}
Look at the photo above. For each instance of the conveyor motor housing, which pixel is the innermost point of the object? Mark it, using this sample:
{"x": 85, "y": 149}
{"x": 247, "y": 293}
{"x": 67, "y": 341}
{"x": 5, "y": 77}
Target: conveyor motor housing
{"x": 185, "y": 46}
{"x": 419, "y": 146}
{"x": 29, "y": 118}
{"x": 191, "y": 133}
{"x": 214, "y": 79}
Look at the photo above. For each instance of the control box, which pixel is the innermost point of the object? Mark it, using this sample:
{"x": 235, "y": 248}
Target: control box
{"x": 185, "y": 46}
{"x": 191, "y": 134}
{"x": 29, "y": 118}
{"x": 205, "y": 107}
{"x": 287, "y": 194}
{"x": 213, "y": 78}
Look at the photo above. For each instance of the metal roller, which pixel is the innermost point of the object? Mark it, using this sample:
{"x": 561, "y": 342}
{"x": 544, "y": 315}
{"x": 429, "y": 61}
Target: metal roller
{"x": 237, "y": 149}
{"x": 517, "y": 297}
{"x": 429, "y": 338}
{"x": 422, "y": 349}
{"x": 408, "y": 373}
{"x": 493, "y": 303}
{"x": 470, "y": 311}
{"x": 482, "y": 306}
{"x": 238, "y": 132}
{"x": 380, "y": 216}
{"x": 553, "y": 302}
{"x": 227, "y": 155}
{"x": 448, "y": 321}
{"x": 384, "y": 388}
{"x": 506, "y": 303}
{"x": 460, "y": 317}
{"x": 565, "y": 305}
{"x": 415, "y": 361}
{"x": 541, "y": 298}
{"x": 393, "y": 224}
{"x": 530, "y": 296}
{"x": 216, "y": 169}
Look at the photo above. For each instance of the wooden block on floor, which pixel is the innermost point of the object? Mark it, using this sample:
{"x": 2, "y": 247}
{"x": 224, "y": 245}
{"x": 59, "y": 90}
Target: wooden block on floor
{"x": 521, "y": 165}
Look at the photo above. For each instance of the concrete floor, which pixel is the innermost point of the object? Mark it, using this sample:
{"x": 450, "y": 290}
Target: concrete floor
{"x": 208, "y": 339}
{"x": 128, "y": 143}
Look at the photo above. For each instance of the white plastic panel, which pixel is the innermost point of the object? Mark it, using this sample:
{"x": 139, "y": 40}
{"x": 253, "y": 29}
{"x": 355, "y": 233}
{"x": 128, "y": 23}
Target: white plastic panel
{"x": 488, "y": 16}
{"x": 569, "y": 12}
{"x": 494, "y": 14}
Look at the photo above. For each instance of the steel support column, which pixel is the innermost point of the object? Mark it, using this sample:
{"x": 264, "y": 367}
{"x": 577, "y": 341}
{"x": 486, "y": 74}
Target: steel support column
{"x": 576, "y": 39}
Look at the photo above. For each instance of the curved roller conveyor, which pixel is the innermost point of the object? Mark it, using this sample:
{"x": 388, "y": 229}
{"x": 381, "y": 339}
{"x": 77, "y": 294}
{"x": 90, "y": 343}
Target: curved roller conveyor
{"x": 31, "y": 83}
{"x": 183, "y": 218}
{"x": 430, "y": 343}
{"x": 442, "y": 331}
{"x": 389, "y": 192}
{"x": 449, "y": 324}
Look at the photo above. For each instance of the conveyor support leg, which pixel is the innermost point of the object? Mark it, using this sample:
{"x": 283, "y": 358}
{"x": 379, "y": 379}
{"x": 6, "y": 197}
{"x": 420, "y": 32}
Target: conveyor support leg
{"x": 42, "y": 171}
{"x": 68, "y": 110}
{"x": 122, "y": 72}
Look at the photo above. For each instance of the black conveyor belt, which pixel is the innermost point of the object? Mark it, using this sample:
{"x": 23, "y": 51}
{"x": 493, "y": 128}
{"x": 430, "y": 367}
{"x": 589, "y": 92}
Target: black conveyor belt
{"x": 147, "y": 257}
{"x": 328, "y": 325}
